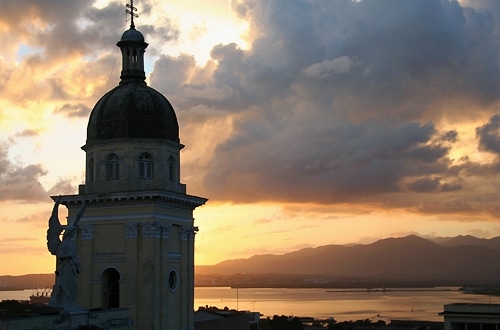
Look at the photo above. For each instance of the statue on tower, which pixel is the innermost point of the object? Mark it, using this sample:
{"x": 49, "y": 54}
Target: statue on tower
{"x": 67, "y": 267}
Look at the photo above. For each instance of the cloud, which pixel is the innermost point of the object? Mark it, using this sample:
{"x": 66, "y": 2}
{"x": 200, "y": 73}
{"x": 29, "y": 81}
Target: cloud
{"x": 324, "y": 69}
{"x": 262, "y": 221}
{"x": 63, "y": 186}
{"x": 450, "y": 136}
{"x": 39, "y": 219}
{"x": 20, "y": 245}
{"x": 329, "y": 164}
{"x": 424, "y": 185}
{"x": 27, "y": 133}
{"x": 19, "y": 182}
{"x": 63, "y": 52}
{"x": 345, "y": 102}
{"x": 360, "y": 102}
{"x": 74, "y": 110}
{"x": 489, "y": 135}
{"x": 479, "y": 232}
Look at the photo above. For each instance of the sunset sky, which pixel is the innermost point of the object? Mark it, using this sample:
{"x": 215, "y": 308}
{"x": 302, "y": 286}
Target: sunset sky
{"x": 306, "y": 122}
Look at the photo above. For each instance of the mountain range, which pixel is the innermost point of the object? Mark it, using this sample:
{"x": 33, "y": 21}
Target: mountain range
{"x": 409, "y": 260}
{"x": 451, "y": 260}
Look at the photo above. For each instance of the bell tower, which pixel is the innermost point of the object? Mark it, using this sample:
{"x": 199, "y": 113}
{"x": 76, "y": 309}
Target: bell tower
{"x": 135, "y": 241}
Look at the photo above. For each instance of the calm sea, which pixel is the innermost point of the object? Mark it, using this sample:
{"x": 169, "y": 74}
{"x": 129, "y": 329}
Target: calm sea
{"x": 343, "y": 305}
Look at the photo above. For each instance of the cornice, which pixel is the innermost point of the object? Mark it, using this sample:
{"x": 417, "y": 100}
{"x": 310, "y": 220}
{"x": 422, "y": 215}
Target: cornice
{"x": 165, "y": 197}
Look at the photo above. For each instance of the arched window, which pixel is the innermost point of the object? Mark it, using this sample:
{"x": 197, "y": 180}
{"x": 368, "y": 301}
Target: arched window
{"x": 112, "y": 167}
{"x": 110, "y": 288}
{"x": 171, "y": 168}
{"x": 172, "y": 280}
{"x": 90, "y": 170}
{"x": 145, "y": 166}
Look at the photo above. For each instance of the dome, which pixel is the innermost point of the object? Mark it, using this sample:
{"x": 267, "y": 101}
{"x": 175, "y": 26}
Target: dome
{"x": 132, "y": 110}
{"x": 132, "y": 35}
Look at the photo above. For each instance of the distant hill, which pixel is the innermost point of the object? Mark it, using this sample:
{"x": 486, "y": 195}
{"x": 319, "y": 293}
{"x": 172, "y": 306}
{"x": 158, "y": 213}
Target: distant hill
{"x": 31, "y": 281}
{"x": 463, "y": 259}
{"x": 492, "y": 243}
{"x": 446, "y": 260}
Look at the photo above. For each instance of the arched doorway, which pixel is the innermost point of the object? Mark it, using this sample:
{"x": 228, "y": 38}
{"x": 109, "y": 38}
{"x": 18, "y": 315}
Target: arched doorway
{"x": 110, "y": 288}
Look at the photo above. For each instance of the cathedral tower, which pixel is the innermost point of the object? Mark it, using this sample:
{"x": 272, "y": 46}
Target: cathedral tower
{"x": 136, "y": 239}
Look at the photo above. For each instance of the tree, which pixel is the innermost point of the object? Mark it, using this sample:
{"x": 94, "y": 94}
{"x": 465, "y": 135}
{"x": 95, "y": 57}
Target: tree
{"x": 285, "y": 323}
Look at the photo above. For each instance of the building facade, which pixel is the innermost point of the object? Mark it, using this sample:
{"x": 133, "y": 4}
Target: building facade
{"x": 470, "y": 316}
{"x": 136, "y": 238}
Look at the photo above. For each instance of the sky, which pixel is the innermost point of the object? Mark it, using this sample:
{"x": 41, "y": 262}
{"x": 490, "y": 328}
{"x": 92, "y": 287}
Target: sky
{"x": 306, "y": 122}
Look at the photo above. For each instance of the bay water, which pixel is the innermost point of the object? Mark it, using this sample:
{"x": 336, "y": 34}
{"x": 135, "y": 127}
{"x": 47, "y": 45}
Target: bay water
{"x": 341, "y": 304}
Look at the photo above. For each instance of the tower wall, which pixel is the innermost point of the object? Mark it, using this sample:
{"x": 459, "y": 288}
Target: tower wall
{"x": 149, "y": 241}
{"x": 165, "y": 166}
{"x": 136, "y": 239}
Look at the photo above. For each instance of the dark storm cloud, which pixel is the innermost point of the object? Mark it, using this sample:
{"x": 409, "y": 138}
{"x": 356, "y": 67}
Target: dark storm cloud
{"x": 340, "y": 101}
{"x": 401, "y": 54}
{"x": 59, "y": 19}
{"x": 424, "y": 185}
{"x": 449, "y": 187}
{"x": 489, "y": 135}
{"x": 339, "y": 163}
{"x": 69, "y": 25}
{"x": 450, "y": 136}
{"x": 16, "y": 13}
{"x": 76, "y": 26}
{"x": 170, "y": 73}
{"x": 474, "y": 169}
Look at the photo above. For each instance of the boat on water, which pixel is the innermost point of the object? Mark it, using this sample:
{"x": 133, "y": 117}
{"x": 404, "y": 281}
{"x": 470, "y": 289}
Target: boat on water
{"x": 41, "y": 297}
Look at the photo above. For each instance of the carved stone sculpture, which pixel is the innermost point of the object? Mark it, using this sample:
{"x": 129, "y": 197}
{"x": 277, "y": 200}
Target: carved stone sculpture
{"x": 67, "y": 266}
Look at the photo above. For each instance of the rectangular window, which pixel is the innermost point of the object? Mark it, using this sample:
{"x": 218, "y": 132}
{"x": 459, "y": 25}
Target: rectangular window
{"x": 473, "y": 326}
{"x": 457, "y": 326}
{"x": 146, "y": 170}
{"x": 112, "y": 170}
{"x": 489, "y": 326}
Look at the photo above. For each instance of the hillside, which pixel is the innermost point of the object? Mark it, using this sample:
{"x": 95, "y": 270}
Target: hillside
{"x": 445, "y": 261}
{"x": 492, "y": 243}
{"x": 31, "y": 281}
{"x": 410, "y": 258}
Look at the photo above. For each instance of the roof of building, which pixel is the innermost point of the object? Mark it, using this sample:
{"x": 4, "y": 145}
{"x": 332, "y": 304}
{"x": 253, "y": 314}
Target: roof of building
{"x": 133, "y": 110}
{"x": 132, "y": 35}
{"x": 14, "y": 308}
{"x": 471, "y": 309}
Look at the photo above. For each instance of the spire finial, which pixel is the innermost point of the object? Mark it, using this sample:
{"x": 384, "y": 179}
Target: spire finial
{"x": 131, "y": 12}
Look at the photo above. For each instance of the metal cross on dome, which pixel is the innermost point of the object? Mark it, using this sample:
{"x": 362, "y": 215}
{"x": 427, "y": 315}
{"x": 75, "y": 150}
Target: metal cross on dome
{"x": 131, "y": 12}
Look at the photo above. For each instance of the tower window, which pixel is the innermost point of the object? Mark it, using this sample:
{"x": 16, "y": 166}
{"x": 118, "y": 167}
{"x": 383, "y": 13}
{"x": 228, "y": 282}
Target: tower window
{"x": 134, "y": 56}
{"x": 110, "y": 288}
{"x": 90, "y": 170}
{"x": 112, "y": 167}
{"x": 172, "y": 280}
{"x": 145, "y": 166}
{"x": 171, "y": 168}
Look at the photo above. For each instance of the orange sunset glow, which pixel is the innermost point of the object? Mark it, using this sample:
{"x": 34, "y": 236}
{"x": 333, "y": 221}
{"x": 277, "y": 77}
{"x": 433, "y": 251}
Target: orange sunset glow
{"x": 305, "y": 123}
